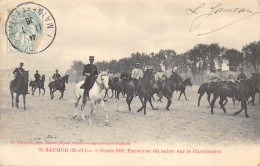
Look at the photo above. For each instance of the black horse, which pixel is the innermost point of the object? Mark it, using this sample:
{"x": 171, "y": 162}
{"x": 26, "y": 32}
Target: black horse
{"x": 145, "y": 91}
{"x": 240, "y": 92}
{"x": 39, "y": 85}
{"x": 255, "y": 87}
{"x": 115, "y": 86}
{"x": 171, "y": 85}
{"x": 20, "y": 87}
{"x": 182, "y": 87}
{"x": 58, "y": 85}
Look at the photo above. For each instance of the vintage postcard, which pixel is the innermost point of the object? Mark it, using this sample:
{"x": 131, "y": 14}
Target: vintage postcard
{"x": 130, "y": 82}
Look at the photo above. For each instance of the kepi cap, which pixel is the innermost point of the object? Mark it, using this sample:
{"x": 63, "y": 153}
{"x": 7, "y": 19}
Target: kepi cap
{"x": 91, "y": 57}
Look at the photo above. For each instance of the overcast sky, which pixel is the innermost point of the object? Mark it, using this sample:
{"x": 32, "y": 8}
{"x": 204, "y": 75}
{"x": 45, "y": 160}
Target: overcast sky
{"x": 114, "y": 29}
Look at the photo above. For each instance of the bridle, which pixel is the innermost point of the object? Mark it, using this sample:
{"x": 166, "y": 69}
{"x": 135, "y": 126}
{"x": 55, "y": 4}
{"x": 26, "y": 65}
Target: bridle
{"x": 101, "y": 85}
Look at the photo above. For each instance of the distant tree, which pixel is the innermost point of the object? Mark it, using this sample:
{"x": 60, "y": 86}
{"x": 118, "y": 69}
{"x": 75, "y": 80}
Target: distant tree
{"x": 234, "y": 57}
{"x": 252, "y": 54}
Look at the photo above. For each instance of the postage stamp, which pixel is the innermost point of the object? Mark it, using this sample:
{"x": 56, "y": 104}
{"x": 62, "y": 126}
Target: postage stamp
{"x": 30, "y": 28}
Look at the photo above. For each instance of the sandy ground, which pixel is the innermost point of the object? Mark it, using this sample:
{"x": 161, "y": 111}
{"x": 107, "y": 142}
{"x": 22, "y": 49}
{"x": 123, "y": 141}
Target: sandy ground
{"x": 49, "y": 120}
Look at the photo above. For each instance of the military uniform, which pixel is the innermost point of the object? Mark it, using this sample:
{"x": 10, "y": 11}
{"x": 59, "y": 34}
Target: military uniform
{"x": 17, "y": 73}
{"x": 241, "y": 76}
{"x": 91, "y": 73}
{"x": 136, "y": 75}
{"x": 56, "y": 78}
{"x": 213, "y": 77}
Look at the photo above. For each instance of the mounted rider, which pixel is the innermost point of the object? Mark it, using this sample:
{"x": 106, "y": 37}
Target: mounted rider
{"x": 241, "y": 77}
{"x": 125, "y": 77}
{"x": 91, "y": 73}
{"x": 136, "y": 75}
{"x": 56, "y": 77}
{"x": 159, "y": 79}
{"x": 232, "y": 80}
{"x": 213, "y": 77}
{"x": 19, "y": 72}
{"x": 37, "y": 78}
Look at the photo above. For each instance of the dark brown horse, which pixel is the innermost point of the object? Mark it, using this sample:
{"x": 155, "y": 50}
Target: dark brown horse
{"x": 39, "y": 85}
{"x": 20, "y": 87}
{"x": 204, "y": 88}
{"x": 171, "y": 85}
{"x": 182, "y": 87}
{"x": 255, "y": 87}
{"x": 58, "y": 85}
{"x": 240, "y": 92}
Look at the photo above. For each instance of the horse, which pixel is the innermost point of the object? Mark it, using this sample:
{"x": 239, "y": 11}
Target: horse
{"x": 182, "y": 87}
{"x": 240, "y": 93}
{"x": 58, "y": 85}
{"x": 255, "y": 87}
{"x": 204, "y": 88}
{"x": 171, "y": 84}
{"x": 113, "y": 85}
{"x": 39, "y": 85}
{"x": 96, "y": 95}
{"x": 20, "y": 88}
{"x": 144, "y": 89}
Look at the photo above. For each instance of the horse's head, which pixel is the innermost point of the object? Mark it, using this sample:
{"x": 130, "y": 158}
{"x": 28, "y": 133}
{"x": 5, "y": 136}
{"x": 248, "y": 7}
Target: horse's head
{"x": 25, "y": 76}
{"x": 103, "y": 80}
{"x": 43, "y": 77}
{"x": 188, "y": 82}
{"x": 148, "y": 76}
{"x": 66, "y": 78}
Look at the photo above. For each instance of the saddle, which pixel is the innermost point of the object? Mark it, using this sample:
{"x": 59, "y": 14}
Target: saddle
{"x": 231, "y": 86}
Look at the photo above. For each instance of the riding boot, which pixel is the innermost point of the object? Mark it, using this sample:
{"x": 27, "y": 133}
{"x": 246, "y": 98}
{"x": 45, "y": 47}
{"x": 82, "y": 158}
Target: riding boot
{"x": 86, "y": 95}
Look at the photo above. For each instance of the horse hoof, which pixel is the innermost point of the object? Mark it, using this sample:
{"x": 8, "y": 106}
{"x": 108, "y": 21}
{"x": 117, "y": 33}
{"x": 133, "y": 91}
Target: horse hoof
{"x": 247, "y": 116}
{"x": 139, "y": 110}
{"x": 73, "y": 117}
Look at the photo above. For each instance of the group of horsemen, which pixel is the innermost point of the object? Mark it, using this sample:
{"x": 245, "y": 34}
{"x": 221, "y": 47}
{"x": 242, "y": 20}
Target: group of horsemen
{"x": 91, "y": 73}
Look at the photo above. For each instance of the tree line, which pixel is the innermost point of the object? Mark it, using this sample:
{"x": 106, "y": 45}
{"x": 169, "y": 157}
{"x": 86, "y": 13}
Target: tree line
{"x": 197, "y": 60}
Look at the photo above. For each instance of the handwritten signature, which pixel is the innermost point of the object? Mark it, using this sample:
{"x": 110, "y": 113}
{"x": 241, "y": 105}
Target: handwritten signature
{"x": 216, "y": 10}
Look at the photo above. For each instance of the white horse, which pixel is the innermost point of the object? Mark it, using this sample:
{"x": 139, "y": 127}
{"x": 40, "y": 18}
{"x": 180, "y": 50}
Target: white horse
{"x": 96, "y": 95}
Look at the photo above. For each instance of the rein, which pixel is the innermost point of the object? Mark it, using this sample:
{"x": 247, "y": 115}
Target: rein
{"x": 100, "y": 85}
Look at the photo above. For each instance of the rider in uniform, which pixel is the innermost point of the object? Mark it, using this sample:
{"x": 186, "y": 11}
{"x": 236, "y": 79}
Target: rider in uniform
{"x": 241, "y": 76}
{"x": 125, "y": 77}
{"x": 136, "y": 75}
{"x": 159, "y": 80}
{"x": 17, "y": 73}
{"x": 231, "y": 80}
{"x": 56, "y": 76}
{"x": 37, "y": 77}
{"x": 91, "y": 73}
{"x": 213, "y": 77}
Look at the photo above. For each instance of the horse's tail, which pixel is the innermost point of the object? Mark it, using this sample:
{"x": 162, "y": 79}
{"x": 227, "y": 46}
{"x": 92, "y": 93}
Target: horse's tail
{"x": 31, "y": 83}
{"x": 202, "y": 88}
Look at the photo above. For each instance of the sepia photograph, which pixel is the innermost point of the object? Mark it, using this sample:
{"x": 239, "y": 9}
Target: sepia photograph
{"x": 130, "y": 82}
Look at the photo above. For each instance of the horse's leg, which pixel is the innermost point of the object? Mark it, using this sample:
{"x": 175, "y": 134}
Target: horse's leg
{"x": 39, "y": 91}
{"x": 43, "y": 91}
{"x": 76, "y": 107}
{"x": 168, "y": 103}
{"x": 104, "y": 107}
{"x": 200, "y": 96}
{"x": 16, "y": 100}
{"x": 209, "y": 94}
{"x": 142, "y": 101}
{"x": 112, "y": 93}
{"x": 84, "y": 102}
{"x": 61, "y": 94}
{"x": 180, "y": 95}
{"x": 144, "y": 105}
{"x": 24, "y": 101}
{"x": 243, "y": 106}
{"x": 12, "y": 95}
{"x": 222, "y": 98}
{"x": 213, "y": 102}
{"x": 185, "y": 95}
{"x": 150, "y": 101}
{"x": 32, "y": 91}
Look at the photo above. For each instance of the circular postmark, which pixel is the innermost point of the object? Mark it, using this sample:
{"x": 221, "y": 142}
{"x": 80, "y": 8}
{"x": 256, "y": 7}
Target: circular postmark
{"x": 30, "y": 28}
